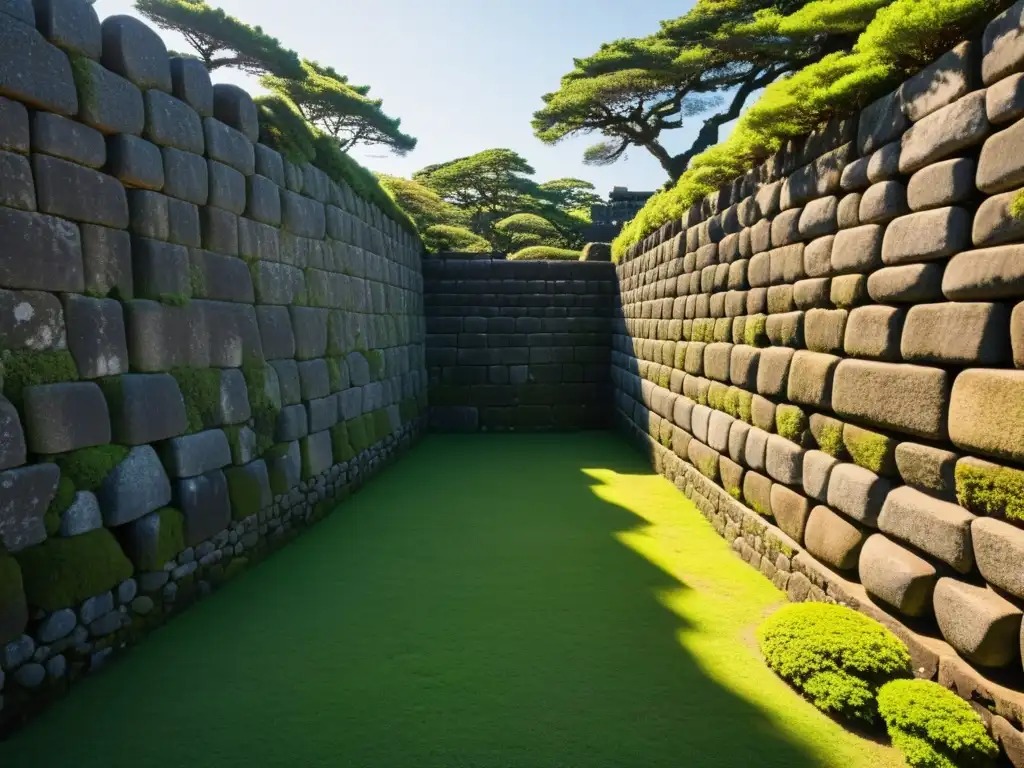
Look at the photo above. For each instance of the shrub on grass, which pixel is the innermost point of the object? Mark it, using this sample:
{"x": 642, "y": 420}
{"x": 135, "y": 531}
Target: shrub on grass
{"x": 933, "y": 727}
{"x": 835, "y": 656}
{"x": 545, "y": 253}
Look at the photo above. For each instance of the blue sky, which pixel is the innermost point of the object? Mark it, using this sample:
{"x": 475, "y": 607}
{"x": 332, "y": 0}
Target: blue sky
{"x": 464, "y": 75}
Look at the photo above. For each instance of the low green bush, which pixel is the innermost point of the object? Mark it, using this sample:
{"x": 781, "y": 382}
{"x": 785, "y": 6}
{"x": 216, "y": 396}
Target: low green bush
{"x": 933, "y": 727}
{"x": 443, "y": 237}
{"x": 545, "y": 253}
{"x": 835, "y": 656}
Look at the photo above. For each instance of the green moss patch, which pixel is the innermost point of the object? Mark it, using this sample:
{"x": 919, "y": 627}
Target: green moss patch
{"x": 60, "y": 573}
{"x": 376, "y": 361}
{"x": 170, "y": 542}
{"x": 829, "y": 435}
{"x": 790, "y": 422}
{"x": 264, "y": 409}
{"x": 12, "y": 590}
{"x": 341, "y": 444}
{"x": 87, "y": 468}
{"x": 32, "y": 368}
{"x": 200, "y": 389}
{"x": 745, "y": 404}
{"x": 991, "y": 490}
{"x": 754, "y": 331}
{"x": 245, "y": 492}
{"x": 870, "y": 450}
{"x": 357, "y": 434}
{"x": 381, "y": 425}
{"x": 62, "y": 501}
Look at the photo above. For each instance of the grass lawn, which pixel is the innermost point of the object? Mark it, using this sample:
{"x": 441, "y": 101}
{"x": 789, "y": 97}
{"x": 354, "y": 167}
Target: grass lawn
{"x": 491, "y": 600}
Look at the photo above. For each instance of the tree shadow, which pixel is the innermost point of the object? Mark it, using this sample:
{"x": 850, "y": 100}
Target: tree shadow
{"x": 474, "y": 606}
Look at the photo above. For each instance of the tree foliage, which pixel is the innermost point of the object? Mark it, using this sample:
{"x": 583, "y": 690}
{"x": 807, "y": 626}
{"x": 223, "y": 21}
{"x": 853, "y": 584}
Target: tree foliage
{"x": 902, "y": 37}
{"x": 522, "y": 230}
{"x": 706, "y": 63}
{"x": 442, "y": 237}
{"x": 424, "y": 205}
{"x": 221, "y": 40}
{"x": 326, "y": 99}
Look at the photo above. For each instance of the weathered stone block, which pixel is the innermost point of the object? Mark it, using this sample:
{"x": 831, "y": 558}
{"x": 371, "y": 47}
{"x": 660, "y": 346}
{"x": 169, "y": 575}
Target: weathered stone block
{"x": 812, "y": 293}
{"x": 773, "y": 371}
{"x": 937, "y": 527}
{"x": 190, "y": 83}
{"x": 817, "y": 469}
{"x": 234, "y": 107}
{"x": 35, "y": 72}
{"x": 263, "y": 200}
{"x": 981, "y": 625}
{"x": 762, "y": 413}
{"x": 963, "y": 333}
{"x": 17, "y": 189}
{"x": 292, "y": 423}
{"x": 191, "y": 455}
{"x": 945, "y": 132}
{"x": 786, "y": 329}
{"x": 757, "y": 491}
{"x": 275, "y": 326}
{"x": 288, "y": 381}
{"x": 221, "y": 278}
{"x": 874, "y": 332}
{"x": 999, "y": 553}
{"x": 68, "y": 139}
{"x": 927, "y": 468}
{"x": 848, "y": 215}
{"x": 317, "y": 456}
{"x": 908, "y": 398}
{"x": 926, "y": 236}
{"x": 145, "y": 408}
{"x": 270, "y": 164}
{"x": 791, "y": 511}
{"x": 881, "y": 122}
{"x": 985, "y": 412}
{"x": 819, "y": 217}
{"x": 135, "y": 162}
{"x": 1004, "y": 100}
{"x": 907, "y": 284}
{"x": 833, "y": 539}
{"x": 784, "y": 460}
{"x": 249, "y": 489}
{"x": 323, "y": 413}
{"x": 284, "y": 465}
{"x": 857, "y": 492}
{"x": 824, "y": 329}
{"x": 159, "y": 336}
{"x": 133, "y": 50}
{"x": 79, "y": 193}
{"x": 858, "y": 249}
{"x": 883, "y": 202}
{"x": 810, "y": 379}
{"x": 96, "y": 336}
{"x": 231, "y": 147}
{"x": 233, "y": 406}
{"x": 205, "y": 504}
{"x": 186, "y": 175}
{"x": 148, "y": 213}
{"x": 941, "y": 184}
{"x": 65, "y": 417}
{"x": 160, "y": 270}
{"x": 136, "y": 487}
{"x": 949, "y": 78}
{"x": 31, "y": 320}
{"x": 227, "y": 188}
{"x": 108, "y": 102}
{"x": 897, "y": 576}
{"x": 14, "y": 126}
{"x": 1002, "y": 45}
{"x": 985, "y": 274}
{"x": 25, "y": 495}
{"x": 310, "y": 327}
{"x": 220, "y": 230}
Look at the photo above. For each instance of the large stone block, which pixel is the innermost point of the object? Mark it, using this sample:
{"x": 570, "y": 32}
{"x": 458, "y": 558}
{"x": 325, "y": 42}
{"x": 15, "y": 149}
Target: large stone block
{"x": 263, "y": 200}
{"x": 927, "y": 468}
{"x": 79, "y": 193}
{"x": 35, "y": 72}
{"x": 160, "y": 270}
{"x": 149, "y": 214}
{"x": 947, "y": 79}
{"x": 270, "y": 164}
{"x": 926, "y": 236}
{"x": 1003, "y": 45}
{"x": 773, "y": 371}
{"x": 833, "y": 539}
{"x": 249, "y": 489}
{"x": 12, "y": 436}
{"x": 784, "y": 460}
{"x": 143, "y": 540}
{"x": 824, "y": 329}
{"x": 96, "y": 336}
{"x": 937, "y": 527}
{"x": 907, "y": 398}
{"x": 897, "y": 576}
{"x": 205, "y": 504}
{"x": 1004, "y": 100}
{"x": 231, "y": 147}
{"x": 985, "y": 274}
{"x": 810, "y": 379}
{"x": 858, "y": 249}
{"x": 284, "y": 465}
{"x": 275, "y": 326}
{"x": 136, "y": 52}
{"x": 221, "y": 278}
{"x": 227, "y": 188}
{"x": 191, "y": 455}
{"x": 68, "y": 139}
{"x": 145, "y": 408}
{"x": 982, "y": 626}
{"x": 817, "y": 469}
{"x": 233, "y": 404}
{"x": 25, "y": 495}
{"x": 945, "y": 132}
{"x": 881, "y": 122}
{"x": 941, "y": 184}
{"x": 135, "y": 162}
{"x": 743, "y": 366}
{"x": 17, "y": 189}
{"x": 107, "y": 258}
{"x": 310, "y": 327}
{"x": 317, "y": 456}
{"x": 1000, "y": 167}
{"x": 999, "y": 553}
{"x": 108, "y": 102}
{"x": 791, "y": 511}
{"x": 985, "y": 412}
{"x": 31, "y": 320}
{"x": 292, "y": 424}
{"x": 962, "y": 333}
{"x": 288, "y": 381}
{"x": 857, "y": 492}
{"x": 995, "y": 222}
{"x": 220, "y": 230}
{"x": 882, "y": 203}
{"x": 190, "y": 83}
{"x": 65, "y": 417}
{"x": 14, "y": 127}
{"x": 302, "y": 216}
{"x": 258, "y": 241}
{"x": 874, "y": 332}
{"x": 757, "y": 493}
{"x": 234, "y": 107}
{"x": 136, "y": 487}
{"x": 159, "y": 336}
{"x": 186, "y": 175}
{"x": 907, "y": 284}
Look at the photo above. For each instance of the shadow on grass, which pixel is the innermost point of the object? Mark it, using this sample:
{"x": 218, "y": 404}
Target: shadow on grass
{"x": 471, "y": 607}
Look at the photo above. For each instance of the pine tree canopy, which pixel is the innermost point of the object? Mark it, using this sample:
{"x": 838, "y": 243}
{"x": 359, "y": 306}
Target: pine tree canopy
{"x": 424, "y": 205}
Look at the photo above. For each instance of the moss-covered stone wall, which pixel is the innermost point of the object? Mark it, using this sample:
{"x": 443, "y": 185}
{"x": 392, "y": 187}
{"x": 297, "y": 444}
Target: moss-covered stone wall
{"x": 202, "y": 344}
{"x": 827, "y": 356}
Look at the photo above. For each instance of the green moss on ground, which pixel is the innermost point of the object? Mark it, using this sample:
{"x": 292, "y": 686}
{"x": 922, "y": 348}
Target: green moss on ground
{"x": 790, "y": 422}
{"x": 200, "y": 389}
{"x": 987, "y": 489}
{"x": 62, "y": 501}
{"x": 87, "y": 468}
{"x": 60, "y": 573}
{"x": 170, "y": 542}
{"x": 31, "y": 368}
{"x": 754, "y": 331}
{"x": 933, "y": 727}
{"x": 264, "y": 409}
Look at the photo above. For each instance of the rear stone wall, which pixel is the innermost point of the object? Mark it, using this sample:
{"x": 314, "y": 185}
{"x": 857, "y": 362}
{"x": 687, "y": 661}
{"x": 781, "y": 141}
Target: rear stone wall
{"x": 827, "y": 356}
{"x": 203, "y": 344}
{"x": 518, "y": 345}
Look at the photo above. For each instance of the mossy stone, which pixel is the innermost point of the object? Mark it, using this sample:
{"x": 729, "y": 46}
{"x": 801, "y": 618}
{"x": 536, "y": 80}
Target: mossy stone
{"x": 755, "y": 332}
{"x": 341, "y": 444}
{"x": 200, "y": 389}
{"x": 989, "y": 489}
{"x": 870, "y": 450}
{"x": 60, "y": 573}
{"x": 791, "y": 422}
{"x": 88, "y": 468}
{"x": 62, "y": 501}
{"x": 11, "y": 587}
{"x": 828, "y": 433}
{"x": 264, "y": 409}
{"x": 245, "y": 492}
{"x": 30, "y": 368}
{"x": 170, "y": 541}
{"x": 357, "y": 434}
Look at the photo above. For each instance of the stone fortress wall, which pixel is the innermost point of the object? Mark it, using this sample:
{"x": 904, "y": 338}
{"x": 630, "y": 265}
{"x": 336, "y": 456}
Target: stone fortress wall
{"x": 828, "y": 357}
{"x": 203, "y": 344}
{"x": 518, "y": 345}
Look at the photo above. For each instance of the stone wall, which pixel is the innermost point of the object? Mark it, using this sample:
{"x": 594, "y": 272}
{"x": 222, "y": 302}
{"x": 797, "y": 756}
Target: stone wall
{"x": 203, "y": 344}
{"x": 518, "y": 344}
{"x": 827, "y": 357}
